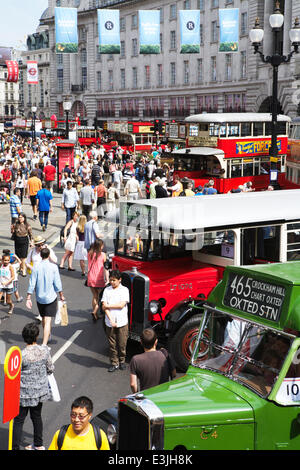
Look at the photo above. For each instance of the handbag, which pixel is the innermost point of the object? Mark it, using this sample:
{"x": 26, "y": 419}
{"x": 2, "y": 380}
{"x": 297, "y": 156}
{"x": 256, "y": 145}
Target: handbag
{"x": 55, "y": 395}
{"x": 61, "y": 317}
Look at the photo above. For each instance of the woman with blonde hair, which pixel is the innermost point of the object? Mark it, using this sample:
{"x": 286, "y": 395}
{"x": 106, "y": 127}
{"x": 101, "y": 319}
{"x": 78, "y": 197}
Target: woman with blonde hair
{"x": 70, "y": 242}
{"x": 98, "y": 276}
{"x": 80, "y": 252}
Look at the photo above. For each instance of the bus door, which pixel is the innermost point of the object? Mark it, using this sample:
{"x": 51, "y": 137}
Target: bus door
{"x": 260, "y": 244}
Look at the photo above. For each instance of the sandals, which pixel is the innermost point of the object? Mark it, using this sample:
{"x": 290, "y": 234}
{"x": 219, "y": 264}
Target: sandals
{"x": 10, "y": 311}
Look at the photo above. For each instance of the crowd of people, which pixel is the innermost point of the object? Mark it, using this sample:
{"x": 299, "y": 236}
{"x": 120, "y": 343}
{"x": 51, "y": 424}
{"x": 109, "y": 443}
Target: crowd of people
{"x": 92, "y": 188}
{"x": 88, "y": 191}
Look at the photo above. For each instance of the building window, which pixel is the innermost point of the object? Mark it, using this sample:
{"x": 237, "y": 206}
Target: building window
{"x": 84, "y": 77}
{"x": 201, "y": 34}
{"x": 172, "y": 73}
{"x": 159, "y": 75}
{"x": 110, "y": 80}
{"x": 213, "y": 69}
{"x": 134, "y": 47}
{"x": 214, "y": 31}
{"x": 147, "y": 76}
{"x": 244, "y": 23}
{"x": 60, "y": 81}
{"x": 173, "y": 11}
{"x": 99, "y": 81}
{"x": 122, "y": 24}
{"x": 83, "y": 56}
{"x": 122, "y": 79}
{"x": 134, "y": 21}
{"x": 243, "y": 59}
{"x": 186, "y": 72}
{"x": 122, "y": 48}
{"x": 161, "y": 14}
{"x": 59, "y": 59}
{"x": 134, "y": 77}
{"x": 199, "y": 70}
{"x": 187, "y": 5}
{"x": 172, "y": 39}
{"x": 228, "y": 67}
{"x": 161, "y": 42}
{"x": 214, "y": 3}
{"x": 200, "y": 4}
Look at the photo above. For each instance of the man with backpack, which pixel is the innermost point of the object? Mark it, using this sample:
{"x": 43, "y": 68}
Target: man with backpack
{"x": 83, "y": 433}
{"x": 96, "y": 173}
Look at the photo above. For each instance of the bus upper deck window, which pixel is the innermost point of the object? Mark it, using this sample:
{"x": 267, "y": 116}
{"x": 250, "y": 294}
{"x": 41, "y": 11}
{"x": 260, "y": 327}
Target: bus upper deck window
{"x": 233, "y": 130}
{"x": 222, "y": 130}
{"x": 281, "y": 128}
{"x": 245, "y": 129}
{"x": 258, "y": 128}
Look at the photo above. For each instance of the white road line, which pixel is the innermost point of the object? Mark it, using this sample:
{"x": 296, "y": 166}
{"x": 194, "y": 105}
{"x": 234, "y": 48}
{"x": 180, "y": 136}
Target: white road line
{"x": 55, "y": 242}
{"x": 66, "y": 346}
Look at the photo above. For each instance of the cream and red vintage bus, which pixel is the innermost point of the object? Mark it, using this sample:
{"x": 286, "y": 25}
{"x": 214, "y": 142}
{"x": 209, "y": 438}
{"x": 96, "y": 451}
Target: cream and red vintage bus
{"x": 233, "y": 148}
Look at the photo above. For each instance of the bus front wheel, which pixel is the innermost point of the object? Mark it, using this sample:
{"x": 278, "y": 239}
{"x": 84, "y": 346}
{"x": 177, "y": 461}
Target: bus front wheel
{"x": 182, "y": 344}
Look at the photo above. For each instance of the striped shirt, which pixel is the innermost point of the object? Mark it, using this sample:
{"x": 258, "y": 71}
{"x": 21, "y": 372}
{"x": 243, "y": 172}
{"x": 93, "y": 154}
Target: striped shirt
{"x": 14, "y": 203}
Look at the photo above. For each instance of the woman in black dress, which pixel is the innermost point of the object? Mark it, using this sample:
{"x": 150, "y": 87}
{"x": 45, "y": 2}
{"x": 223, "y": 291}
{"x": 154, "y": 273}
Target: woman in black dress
{"x": 22, "y": 235}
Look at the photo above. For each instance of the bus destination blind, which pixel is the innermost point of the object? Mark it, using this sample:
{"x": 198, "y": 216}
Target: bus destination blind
{"x": 254, "y": 296}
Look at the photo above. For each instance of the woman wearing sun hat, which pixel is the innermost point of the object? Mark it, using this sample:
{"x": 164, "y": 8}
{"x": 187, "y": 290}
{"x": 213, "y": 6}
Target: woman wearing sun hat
{"x": 34, "y": 255}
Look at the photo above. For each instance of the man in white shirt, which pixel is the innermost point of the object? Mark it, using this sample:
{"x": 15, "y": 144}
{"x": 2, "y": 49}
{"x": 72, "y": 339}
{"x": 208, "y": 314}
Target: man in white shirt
{"x": 114, "y": 303}
{"x": 133, "y": 189}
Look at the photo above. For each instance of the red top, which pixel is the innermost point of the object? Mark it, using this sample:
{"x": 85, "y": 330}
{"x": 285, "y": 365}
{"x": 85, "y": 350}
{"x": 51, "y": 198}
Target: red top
{"x": 49, "y": 171}
{"x": 6, "y": 175}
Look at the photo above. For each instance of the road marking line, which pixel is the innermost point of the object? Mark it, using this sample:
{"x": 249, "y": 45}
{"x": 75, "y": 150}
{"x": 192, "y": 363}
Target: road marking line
{"x": 66, "y": 346}
{"x": 54, "y": 243}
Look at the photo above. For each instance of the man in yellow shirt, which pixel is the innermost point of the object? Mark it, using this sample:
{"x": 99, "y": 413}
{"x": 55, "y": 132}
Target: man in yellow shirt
{"x": 80, "y": 434}
{"x": 34, "y": 184}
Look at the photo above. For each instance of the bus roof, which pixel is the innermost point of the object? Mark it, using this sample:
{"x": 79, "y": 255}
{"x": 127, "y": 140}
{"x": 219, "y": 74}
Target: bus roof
{"x": 235, "y": 117}
{"x": 266, "y": 294}
{"x": 196, "y": 213}
{"x": 205, "y": 151}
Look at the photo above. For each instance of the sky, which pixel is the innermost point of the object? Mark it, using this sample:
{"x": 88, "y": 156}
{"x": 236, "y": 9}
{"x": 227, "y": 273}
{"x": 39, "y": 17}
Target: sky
{"x": 18, "y": 18}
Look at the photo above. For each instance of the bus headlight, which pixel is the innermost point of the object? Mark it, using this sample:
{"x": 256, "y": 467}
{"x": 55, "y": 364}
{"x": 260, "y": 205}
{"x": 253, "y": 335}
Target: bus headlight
{"x": 111, "y": 434}
{"x": 154, "y": 307}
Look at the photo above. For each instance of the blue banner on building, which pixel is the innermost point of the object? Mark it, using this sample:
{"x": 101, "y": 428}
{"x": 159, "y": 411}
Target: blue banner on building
{"x": 66, "y": 33}
{"x": 229, "y": 30}
{"x": 149, "y": 29}
{"x": 189, "y": 31}
{"x": 109, "y": 31}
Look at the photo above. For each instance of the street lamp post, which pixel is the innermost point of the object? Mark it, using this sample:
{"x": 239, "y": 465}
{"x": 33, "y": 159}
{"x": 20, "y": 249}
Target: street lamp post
{"x": 276, "y": 59}
{"x": 67, "y": 108}
{"x": 33, "y": 110}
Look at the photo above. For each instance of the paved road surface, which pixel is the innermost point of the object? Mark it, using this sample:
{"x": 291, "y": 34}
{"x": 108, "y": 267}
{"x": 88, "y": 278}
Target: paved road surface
{"x": 80, "y": 350}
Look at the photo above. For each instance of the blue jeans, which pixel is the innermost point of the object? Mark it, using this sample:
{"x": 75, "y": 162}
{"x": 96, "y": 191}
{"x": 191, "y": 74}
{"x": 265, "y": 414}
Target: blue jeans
{"x": 69, "y": 213}
{"x": 43, "y": 217}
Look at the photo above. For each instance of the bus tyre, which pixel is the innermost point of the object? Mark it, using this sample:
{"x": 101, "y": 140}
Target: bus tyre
{"x": 182, "y": 343}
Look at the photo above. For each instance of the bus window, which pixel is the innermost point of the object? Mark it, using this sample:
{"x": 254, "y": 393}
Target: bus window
{"x": 193, "y": 130}
{"x": 260, "y": 243}
{"x": 233, "y": 130}
{"x": 245, "y": 129}
{"x": 293, "y": 242}
{"x": 265, "y": 166}
{"x": 190, "y": 163}
{"x": 236, "y": 168}
{"x": 219, "y": 244}
{"x": 248, "y": 167}
{"x": 295, "y": 132}
{"x": 258, "y": 128}
{"x": 138, "y": 139}
{"x": 222, "y": 130}
{"x": 214, "y": 130}
{"x": 256, "y": 167}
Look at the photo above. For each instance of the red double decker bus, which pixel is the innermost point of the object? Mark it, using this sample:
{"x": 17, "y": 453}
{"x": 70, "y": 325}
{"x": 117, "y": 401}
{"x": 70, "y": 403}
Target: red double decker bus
{"x": 232, "y": 148}
{"x": 133, "y": 136}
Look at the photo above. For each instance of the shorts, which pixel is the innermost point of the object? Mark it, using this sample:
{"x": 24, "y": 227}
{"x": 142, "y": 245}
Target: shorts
{"x": 7, "y": 290}
{"x": 33, "y": 200}
{"x": 47, "y": 310}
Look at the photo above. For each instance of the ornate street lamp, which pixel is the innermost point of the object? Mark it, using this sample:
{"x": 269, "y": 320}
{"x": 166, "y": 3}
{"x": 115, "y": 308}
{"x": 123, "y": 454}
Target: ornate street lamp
{"x": 256, "y": 36}
{"x": 33, "y": 110}
{"x": 67, "y": 108}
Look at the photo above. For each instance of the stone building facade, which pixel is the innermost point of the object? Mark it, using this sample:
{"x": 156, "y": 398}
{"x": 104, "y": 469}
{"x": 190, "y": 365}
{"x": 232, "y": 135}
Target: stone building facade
{"x": 169, "y": 85}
